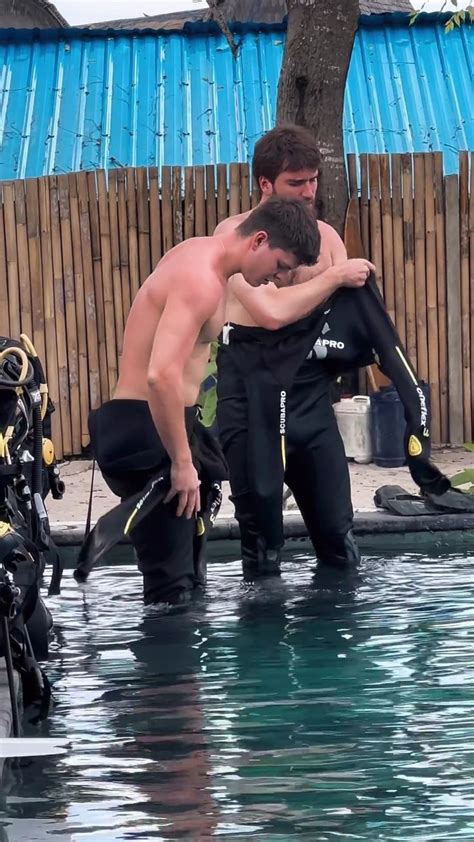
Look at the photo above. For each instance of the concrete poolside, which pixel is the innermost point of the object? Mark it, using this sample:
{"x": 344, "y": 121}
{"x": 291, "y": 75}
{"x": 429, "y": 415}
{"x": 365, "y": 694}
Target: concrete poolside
{"x": 68, "y": 516}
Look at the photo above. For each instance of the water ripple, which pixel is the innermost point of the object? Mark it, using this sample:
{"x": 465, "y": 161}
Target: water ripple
{"x": 323, "y": 708}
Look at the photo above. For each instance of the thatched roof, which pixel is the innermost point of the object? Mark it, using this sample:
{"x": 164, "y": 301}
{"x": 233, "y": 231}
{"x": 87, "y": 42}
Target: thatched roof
{"x": 259, "y": 11}
{"x": 51, "y": 9}
{"x": 27, "y": 14}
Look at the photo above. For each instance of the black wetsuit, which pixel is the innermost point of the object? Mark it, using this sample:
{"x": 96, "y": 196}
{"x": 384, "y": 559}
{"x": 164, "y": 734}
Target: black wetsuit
{"x": 130, "y": 453}
{"x": 276, "y": 421}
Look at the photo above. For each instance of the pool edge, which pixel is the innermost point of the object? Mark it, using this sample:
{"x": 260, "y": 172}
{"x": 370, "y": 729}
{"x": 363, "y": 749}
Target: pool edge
{"x": 365, "y": 524}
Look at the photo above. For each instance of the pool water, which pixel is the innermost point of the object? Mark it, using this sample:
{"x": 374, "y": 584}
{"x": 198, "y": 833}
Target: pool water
{"x": 318, "y": 708}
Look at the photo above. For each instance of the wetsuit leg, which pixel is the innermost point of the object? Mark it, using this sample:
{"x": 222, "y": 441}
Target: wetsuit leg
{"x": 232, "y": 424}
{"x": 257, "y": 558}
{"x": 164, "y": 543}
{"x": 232, "y": 421}
{"x": 319, "y": 479}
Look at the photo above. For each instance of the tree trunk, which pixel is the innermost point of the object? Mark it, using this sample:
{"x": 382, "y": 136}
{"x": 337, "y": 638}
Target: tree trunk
{"x": 219, "y": 17}
{"x": 312, "y": 84}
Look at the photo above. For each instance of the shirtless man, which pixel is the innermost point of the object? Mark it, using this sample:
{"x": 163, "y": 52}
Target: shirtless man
{"x": 149, "y": 423}
{"x": 286, "y": 163}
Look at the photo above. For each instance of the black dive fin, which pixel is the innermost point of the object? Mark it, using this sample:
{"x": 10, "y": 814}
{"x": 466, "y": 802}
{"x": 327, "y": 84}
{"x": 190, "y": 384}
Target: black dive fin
{"x": 118, "y": 523}
{"x": 398, "y": 501}
{"x": 452, "y": 501}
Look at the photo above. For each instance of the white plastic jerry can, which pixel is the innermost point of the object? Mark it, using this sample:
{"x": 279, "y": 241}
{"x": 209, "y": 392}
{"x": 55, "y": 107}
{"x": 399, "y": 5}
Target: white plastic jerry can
{"x": 353, "y": 417}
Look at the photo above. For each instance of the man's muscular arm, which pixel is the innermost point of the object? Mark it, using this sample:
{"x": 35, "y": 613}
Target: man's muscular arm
{"x": 187, "y": 308}
{"x": 271, "y": 307}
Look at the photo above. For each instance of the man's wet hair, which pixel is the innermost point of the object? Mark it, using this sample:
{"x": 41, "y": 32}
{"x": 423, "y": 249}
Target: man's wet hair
{"x": 289, "y": 225}
{"x": 286, "y": 148}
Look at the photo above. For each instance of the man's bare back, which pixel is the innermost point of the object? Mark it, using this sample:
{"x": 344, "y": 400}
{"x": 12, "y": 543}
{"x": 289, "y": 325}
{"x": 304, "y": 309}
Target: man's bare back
{"x": 173, "y": 273}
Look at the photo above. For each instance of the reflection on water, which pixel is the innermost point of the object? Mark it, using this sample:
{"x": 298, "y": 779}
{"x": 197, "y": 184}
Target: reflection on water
{"x": 336, "y": 707}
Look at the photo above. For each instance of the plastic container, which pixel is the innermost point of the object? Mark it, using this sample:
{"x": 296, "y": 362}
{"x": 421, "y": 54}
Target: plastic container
{"x": 353, "y": 417}
{"x": 388, "y": 426}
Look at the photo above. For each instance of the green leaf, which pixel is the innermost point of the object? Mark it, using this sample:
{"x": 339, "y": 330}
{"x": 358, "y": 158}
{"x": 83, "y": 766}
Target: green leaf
{"x": 207, "y": 399}
{"x": 212, "y": 365}
{"x": 463, "y": 478}
{"x": 455, "y": 20}
{"x": 469, "y": 446}
{"x": 209, "y": 406}
{"x": 211, "y": 369}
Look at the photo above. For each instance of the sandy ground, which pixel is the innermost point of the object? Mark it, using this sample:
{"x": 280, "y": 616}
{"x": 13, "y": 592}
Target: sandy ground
{"x": 365, "y": 479}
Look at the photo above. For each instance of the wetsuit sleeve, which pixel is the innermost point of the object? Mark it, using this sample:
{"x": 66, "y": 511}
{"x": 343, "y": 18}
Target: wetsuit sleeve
{"x": 392, "y": 360}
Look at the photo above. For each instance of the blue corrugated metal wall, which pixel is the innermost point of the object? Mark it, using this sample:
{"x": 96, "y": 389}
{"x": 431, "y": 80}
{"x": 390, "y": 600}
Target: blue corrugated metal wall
{"x": 410, "y": 89}
{"x": 75, "y": 99}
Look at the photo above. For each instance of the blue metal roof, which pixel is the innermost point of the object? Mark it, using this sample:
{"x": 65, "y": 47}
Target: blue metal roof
{"x": 411, "y": 89}
{"x": 80, "y": 99}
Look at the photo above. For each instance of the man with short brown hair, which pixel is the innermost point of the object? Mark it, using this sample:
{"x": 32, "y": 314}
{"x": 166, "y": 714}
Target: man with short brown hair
{"x": 286, "y": 163}
{"x": 280, "y": 354}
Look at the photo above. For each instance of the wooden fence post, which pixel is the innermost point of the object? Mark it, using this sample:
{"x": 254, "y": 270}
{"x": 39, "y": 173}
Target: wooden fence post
{"x": 431, "y": 299}
{"x": 453, "y": 280}
{"x": 465, "y": 292}
{"x": 471, "y": 285}
{"x": 398, "y": 249}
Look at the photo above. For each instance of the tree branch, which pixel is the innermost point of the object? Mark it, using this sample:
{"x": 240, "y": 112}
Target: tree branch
{"x": 457, "y": 18}
{"x": 219, "y": 17}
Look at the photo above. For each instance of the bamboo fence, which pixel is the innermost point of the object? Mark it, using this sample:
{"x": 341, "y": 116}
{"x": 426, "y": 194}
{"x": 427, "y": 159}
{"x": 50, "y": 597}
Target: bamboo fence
{"x": 75, "y": 248}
